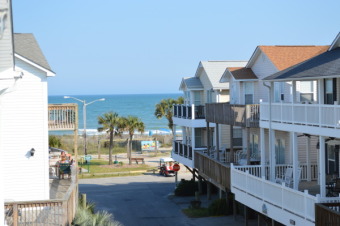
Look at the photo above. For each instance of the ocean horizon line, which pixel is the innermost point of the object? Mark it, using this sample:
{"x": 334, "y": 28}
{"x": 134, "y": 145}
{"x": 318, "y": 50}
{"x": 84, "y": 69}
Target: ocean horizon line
{"x": 52, "y": 95}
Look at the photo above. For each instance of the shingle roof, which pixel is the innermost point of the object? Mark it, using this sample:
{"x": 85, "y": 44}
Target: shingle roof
{"x": 286, "y": 56}
{"x": 193, "y": 83}
{"x": 26, "y": 46}
{"x": 324, "y": 65}
{"x": 241, "y": 73}
{"x": 215, "y": 70}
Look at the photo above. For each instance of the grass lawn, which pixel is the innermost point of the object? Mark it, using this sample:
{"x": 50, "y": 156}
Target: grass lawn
{"x": 103, "y": 167}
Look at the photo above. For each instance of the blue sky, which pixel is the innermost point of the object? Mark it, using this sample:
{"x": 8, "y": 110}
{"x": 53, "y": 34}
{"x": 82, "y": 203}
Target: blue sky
{"x": 120, "y": 47}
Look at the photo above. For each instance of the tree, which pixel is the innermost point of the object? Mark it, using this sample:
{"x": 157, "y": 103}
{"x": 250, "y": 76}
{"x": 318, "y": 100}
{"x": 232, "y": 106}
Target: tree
{"x": 112, "y": 124}
{"x": 132, "y": 124}
{"x": 164, "y": 109}
{"x": 54, "y": 141}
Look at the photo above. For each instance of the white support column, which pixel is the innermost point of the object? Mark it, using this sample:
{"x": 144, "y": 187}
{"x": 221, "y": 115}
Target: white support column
{"x": 217, "y": 142}
{"x": 184, "y": 135}
{"x": 193, "y": 116}
{"x": 263, "y": 153}
{"x": 293, "y": 138}
{"x": 2, "y": 182}
{"x": 193, "y": 138}
{"x": 322, "y": 166}
{"x": 272, "y": 154}
{"x": 294, "y": 92}
{"x": 308, "y": 157}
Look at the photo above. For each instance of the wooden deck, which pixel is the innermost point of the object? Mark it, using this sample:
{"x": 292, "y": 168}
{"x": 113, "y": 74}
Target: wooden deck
{"x": 62, "y": 117}
{"x": 233, "y": 114}
{"x": 327, "y": 214}
{"x": 214, "y": 171}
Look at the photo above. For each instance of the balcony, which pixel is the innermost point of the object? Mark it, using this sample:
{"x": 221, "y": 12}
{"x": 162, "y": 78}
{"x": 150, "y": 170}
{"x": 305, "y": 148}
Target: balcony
{"x": 317, "y": 118}
{"x": 281, "y": 203}
{"x": 327, "y": 214}
{"x": 189, "y": 111}
{"x": 212, "y": 170}
{"x": 184, "y": 153}
{"x": 232, "y": 114}
{"x": 59, "y": 210}
{"x": 62, "y": 117}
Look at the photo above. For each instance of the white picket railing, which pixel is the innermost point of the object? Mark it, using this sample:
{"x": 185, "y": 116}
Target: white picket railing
{"x": 248, "y": 180}
{"x": 306, "y": 114}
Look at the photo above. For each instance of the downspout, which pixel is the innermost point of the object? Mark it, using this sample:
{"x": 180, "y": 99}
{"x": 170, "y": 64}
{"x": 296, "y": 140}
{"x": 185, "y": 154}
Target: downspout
{"x": 271, "y": 164}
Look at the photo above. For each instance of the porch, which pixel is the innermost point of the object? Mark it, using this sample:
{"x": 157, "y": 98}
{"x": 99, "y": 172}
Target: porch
{"x": 60, "y": 209}
{"x": 321, "y": 118}
{"x": 286, "y": 205}
{"x": 184, "y": 153}
{"x": 233, "y": 114}
{"x": 189, "y": 111}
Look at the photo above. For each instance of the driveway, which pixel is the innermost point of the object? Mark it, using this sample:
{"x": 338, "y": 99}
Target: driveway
{"x": 145, "y": 200}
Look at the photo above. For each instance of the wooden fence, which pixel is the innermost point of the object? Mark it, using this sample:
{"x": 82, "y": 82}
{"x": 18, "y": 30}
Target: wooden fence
{"x": 44, "y": 212}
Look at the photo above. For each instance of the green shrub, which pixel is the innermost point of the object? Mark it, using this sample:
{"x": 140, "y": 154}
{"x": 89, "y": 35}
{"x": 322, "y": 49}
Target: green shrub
{"x": 188, "y": 188}
{"x": 219, "y": 207}
{"x": 54, "y": 141}
{"x": 88, "y": 217}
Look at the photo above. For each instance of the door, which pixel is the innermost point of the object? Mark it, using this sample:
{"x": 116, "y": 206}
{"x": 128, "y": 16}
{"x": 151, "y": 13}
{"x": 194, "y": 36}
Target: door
{"x": 330, "y": 90}
{"x": 248, "y": 93}
{"x": 280, "y": 151}
{"x": 198, "y": 137}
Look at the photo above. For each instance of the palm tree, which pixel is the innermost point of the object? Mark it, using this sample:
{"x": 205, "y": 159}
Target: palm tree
{"x": 132, "y": 124}
{"x": 112, "y": 124}
{"x": 164, "y": 109}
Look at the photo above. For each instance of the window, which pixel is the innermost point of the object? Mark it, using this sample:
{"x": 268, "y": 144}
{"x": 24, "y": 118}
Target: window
{"x": 306, "y": 91}
{"x": 209, "y": 96}
{"x": 248, "y": 92}
{"x": 237, "y": 137}
{"x": 197, "y": 98}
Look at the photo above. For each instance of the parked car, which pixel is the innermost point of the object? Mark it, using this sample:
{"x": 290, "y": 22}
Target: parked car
{"x": 165, "y": 167}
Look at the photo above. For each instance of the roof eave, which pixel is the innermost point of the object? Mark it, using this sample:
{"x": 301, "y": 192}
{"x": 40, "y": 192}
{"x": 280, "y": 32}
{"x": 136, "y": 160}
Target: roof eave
{"x": 48, "y": 72}
{"x": 336, "y": 43}
{"x": 253, "y": 57}
{"x": 300, "y": 79}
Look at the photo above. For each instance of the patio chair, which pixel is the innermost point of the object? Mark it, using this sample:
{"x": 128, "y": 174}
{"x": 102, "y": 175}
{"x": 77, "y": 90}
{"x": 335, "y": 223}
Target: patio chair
{"x": 64, "y": 168}
{"x": 286, "y": 178}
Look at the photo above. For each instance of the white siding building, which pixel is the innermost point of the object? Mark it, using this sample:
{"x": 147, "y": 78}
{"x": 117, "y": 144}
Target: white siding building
{"x": 23, "y": 116}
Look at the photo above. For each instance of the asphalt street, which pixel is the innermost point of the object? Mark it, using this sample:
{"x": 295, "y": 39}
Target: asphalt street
{"x": 145, "y": 200}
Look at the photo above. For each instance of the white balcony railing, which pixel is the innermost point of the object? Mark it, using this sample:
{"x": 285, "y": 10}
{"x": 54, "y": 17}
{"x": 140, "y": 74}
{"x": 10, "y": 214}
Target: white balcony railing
{"x": 321, "y": 115}
{"x": 284, "y": 198}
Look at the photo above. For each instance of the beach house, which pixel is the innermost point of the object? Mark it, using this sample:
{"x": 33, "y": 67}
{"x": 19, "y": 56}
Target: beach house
{"x": 299, "y": 143}
{"x": 24, "y": 123}
{"x": 204, "y": 87}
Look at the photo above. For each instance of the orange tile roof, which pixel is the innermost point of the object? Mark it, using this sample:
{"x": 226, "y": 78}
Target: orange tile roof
{"x": 287, "y": 56}
{"x": 242, "y": 73}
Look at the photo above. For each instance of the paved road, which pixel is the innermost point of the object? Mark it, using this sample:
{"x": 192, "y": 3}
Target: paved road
{"x": 144, "y": 201}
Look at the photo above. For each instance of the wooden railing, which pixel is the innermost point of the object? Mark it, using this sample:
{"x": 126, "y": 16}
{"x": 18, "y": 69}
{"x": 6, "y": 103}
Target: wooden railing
{"x": 44, "y": 212}
{"x": 217, "y": 172}
{"x": 233, "y": 114}
{"x": 62, "y": 117}
{"x": 327, "y": 214}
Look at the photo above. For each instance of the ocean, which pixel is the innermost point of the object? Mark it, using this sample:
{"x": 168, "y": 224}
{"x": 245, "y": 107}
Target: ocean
{"x": 140, "y": 105}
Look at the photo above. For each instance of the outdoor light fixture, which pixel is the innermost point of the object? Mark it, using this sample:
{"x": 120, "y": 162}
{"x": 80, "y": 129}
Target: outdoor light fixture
{"x": 32, "y": 151}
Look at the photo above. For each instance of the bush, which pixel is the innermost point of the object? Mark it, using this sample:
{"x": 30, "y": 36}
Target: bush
{"x": 87, "y": 217}
{"x": 188, "y": 188}
{"x": 219, "y": 207}
{"x": 54, "y": 141}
